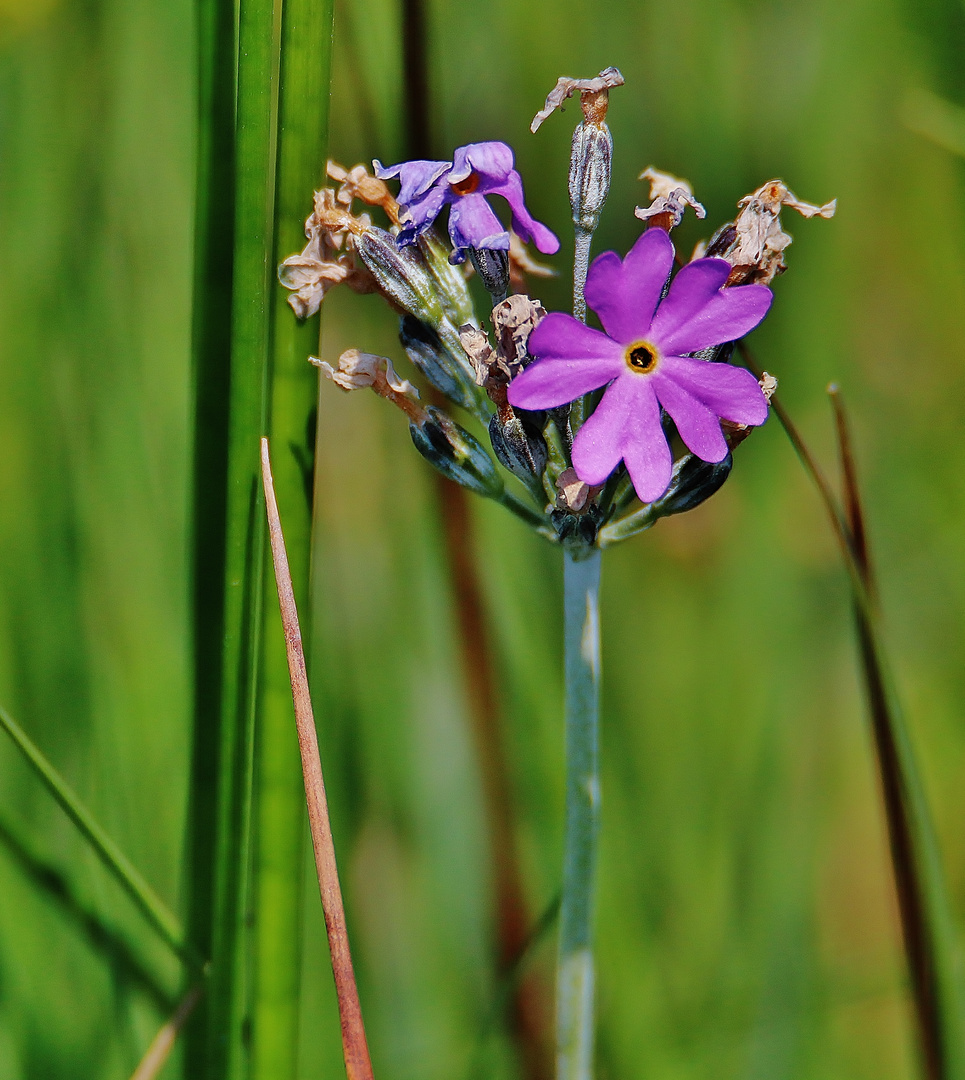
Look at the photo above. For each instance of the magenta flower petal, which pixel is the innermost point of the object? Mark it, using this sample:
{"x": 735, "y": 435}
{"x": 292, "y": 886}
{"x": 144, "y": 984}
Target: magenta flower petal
{"x": 625, "y": 293}
{"x": 472, "y": 223}
{"x": 477, "y": 171}
{"x": 492, "y": 160}
{"x": 526, "y": 226}
{"x": 577, "y": 360}
{"x": 698, "y": 425}
{"x": 646, "y": 452}
{"x": 416, "y": 177}
{"x": 599, "y": 444}
{"x": 561, "y": 337}
{"x": 732, "y": 392}
{"x": 573, "y": 359}
{"x": 698, "y": 312}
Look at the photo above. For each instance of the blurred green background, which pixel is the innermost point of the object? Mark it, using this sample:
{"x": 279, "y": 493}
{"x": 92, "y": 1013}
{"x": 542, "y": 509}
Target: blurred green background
{"x": 747, "y": 926}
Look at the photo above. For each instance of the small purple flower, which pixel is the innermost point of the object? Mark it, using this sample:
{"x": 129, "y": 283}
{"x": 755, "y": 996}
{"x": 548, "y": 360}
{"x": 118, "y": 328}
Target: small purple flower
{"x": 476, "y": 172}
{"x": 641, "y": 358}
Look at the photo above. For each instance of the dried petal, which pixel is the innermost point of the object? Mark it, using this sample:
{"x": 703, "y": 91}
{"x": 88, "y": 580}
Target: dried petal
{"x": 479, "y": 351}
{"x": 591, "y": 90}
{"x": 754, "y": 243}
{"x": 669, "y": 198}
{"x": 360, "y": 370}
{"x": 358, "y": 183}
{"x": 572, "y": 493}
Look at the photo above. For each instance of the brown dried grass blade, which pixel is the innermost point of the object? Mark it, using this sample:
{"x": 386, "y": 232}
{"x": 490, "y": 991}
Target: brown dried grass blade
{"x": 358, "y": 1065}
{"x": 157, "y": 1053}
{"x": 899, "y": 813}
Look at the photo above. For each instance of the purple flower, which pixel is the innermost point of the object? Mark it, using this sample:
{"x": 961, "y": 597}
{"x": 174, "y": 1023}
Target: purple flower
{"x": 476, "y": 172}
{"x": 641, "y": 358}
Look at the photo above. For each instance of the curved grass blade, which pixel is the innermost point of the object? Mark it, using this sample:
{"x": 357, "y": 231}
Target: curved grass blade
{"x": 103, "y": 938}
{"x": 164, "y": 922}
{"x": 919, "y": 879}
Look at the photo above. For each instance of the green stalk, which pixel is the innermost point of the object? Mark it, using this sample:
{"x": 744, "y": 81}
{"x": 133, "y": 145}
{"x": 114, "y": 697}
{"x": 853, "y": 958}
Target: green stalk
{"x": 211, "y": 346}
{"x": 575, "y": 971}
{"x": 231, "y": 388}
{"x": 117, "y": 863}
{"x": 305, "y": 72}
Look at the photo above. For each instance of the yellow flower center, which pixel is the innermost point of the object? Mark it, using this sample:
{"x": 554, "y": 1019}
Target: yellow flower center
{"x": 641, "y": 357}
{"x": 467, "y": 186}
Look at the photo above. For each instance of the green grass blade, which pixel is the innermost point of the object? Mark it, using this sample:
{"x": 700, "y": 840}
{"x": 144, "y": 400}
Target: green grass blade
{"x": 211, "y": 346}
{"x": 120, "y": 866}
{"x": 279, "y": 824}
{"x": 234, "y": 275}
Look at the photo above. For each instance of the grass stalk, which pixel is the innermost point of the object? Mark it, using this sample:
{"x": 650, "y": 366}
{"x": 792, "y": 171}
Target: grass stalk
{"x": 212, "y": 798}
{"x": 279, "y": 829}
{"x": 232, "y": 340}
{"x": 106, "y": 940}
{"x": 919, "y": 881}
{"x": 575, "y": 969}
{"x": 928, "y": 933}
{"x": 358, "y": 1065}
{"x": 124, "y": 872}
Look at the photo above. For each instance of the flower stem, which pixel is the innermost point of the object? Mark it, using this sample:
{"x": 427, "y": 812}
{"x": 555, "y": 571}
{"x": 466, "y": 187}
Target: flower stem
{"x": 526, "y": 513}
{"x": 581, "y": 265}
{"x": 574, "y": 988}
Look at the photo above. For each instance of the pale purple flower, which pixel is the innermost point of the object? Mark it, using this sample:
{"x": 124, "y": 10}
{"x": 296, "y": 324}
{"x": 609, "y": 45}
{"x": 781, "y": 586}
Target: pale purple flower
{"x": 641, "y": 357}
{"x": 465, "y": 183}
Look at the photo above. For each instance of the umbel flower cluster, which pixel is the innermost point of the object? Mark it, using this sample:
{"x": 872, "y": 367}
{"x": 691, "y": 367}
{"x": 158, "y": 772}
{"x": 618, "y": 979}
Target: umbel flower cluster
{"x": 603, "y": 431}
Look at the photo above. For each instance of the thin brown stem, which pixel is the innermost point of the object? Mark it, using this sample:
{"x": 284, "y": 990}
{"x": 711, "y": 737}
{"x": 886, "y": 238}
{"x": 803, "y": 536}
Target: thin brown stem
{"x": 358, "y": 1065}
{"x": 163, "y": 1043}
{"x": 912, "y": 903}
{"x": 854, "y": 513}
{"x": 905, "y": 811}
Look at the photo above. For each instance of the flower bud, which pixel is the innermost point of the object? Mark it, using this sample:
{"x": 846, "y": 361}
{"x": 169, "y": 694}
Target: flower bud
{"x": 519, "y": 446}
{"x": 492, "y": 266}
{"x": 455, "y": 453}
{"x": 590, "y": 160}
{"x": 693, "y": 482}
{"x": 425, "y": 350}
{"x": 453, "y": 289}
{"x": 401, "y": 274}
